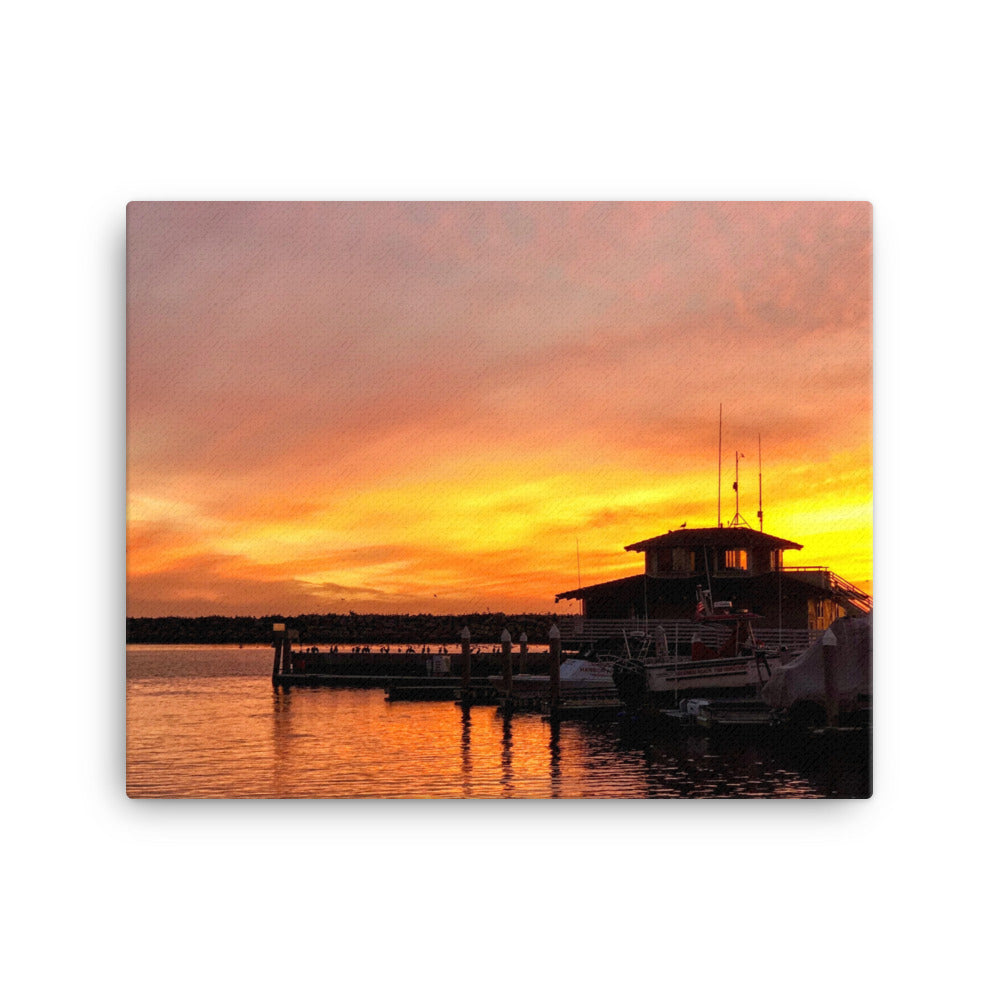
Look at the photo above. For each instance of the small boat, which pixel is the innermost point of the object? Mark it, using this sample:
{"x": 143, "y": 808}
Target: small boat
{"x": 590, "y": 673}
{"x": 732, "y": 663}
{"x": 830, "y": 684}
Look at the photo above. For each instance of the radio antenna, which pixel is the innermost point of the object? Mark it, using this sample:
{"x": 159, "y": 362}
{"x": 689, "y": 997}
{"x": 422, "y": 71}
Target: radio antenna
{"x": 719, "y": 511}
{"x": 735, "y": 522}
{"x": 760, "y": 491}
{"x": 579, "y": 582}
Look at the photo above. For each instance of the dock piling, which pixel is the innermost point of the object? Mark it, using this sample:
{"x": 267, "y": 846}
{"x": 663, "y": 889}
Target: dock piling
{"x": 282, "y": 643}
{"x": 555, "y": 656}
{"x": 277, "y": 634}
{"x": 507, "y": 702}
{"x": 831, "y": 692}
{"x": 508, "y": 665}
{"x": 466, "y": 638}
{"x": 522, "y": 663}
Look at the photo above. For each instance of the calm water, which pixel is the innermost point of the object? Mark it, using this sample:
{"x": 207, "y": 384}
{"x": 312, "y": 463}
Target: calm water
{"x": 204, "y": 722}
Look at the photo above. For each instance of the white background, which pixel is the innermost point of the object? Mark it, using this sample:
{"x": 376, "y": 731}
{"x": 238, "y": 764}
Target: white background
{"x": 106, "y": 103}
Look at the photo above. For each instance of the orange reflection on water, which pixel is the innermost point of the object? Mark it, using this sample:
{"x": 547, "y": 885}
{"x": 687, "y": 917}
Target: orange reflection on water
{"x": 206, "y": 723}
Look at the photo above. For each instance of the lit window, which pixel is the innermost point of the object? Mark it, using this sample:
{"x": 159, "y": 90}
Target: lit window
{"x": 736, "y": 559}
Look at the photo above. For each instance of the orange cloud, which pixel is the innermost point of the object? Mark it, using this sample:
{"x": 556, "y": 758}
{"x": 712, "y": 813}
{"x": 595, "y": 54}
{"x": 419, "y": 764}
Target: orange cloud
{"x": 381, "y": 403}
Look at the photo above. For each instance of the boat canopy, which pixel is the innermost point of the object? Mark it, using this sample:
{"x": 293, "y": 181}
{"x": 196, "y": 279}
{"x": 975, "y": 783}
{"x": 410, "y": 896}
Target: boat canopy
{"x": 801, "y": 679}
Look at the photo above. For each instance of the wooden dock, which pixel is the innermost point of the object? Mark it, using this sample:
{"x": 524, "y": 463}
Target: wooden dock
{"x": 736, "y": 714}
{"x": 336, "y": 680}
{"x": 586, "y": 708}
{"x": 440, "y": 689}
{"x": 713, "y": 714}
{"x": 378, "y": 666}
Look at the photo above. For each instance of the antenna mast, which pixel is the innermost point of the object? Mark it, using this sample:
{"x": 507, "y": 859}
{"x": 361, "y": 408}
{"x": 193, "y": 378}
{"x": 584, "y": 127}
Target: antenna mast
{"x": 760, "y": 492}
{"x": 579, "y": 582}
{"x": 735, "y": 522}
{"x": 736, "y": 487}
{"x": 719, "y": 512}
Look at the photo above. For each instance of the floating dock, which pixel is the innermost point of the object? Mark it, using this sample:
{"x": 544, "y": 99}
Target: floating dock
{"x": 586, "y": 708}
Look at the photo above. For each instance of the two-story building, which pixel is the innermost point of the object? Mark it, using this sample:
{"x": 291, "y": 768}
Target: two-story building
{"x": 740, "y": 565}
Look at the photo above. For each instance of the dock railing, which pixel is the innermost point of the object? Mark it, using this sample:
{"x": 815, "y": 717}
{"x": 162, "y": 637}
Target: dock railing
{"x": 575, "y": 629}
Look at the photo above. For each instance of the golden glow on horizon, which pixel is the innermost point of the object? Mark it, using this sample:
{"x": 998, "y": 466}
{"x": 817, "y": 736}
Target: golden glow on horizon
{"x": 404, "y": 440}
{"x": 412, "y": 544}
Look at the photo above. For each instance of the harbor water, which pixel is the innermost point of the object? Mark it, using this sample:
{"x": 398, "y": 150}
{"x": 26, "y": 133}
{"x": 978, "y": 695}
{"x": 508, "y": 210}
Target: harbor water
{"x": 205, "y": 722}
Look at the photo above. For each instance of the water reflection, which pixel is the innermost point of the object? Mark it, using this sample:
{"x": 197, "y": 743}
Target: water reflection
{"x": 230, "y": 735}
{"x": 466, "y": 751}
{"x": 506, "y": 757}
{"x": 282, "y": 721}
{"x": 554, "y": 758}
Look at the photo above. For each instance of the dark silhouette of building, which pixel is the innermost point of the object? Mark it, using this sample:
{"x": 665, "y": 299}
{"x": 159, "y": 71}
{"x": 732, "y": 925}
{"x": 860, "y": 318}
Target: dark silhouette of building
{"x": 740, "y": 565}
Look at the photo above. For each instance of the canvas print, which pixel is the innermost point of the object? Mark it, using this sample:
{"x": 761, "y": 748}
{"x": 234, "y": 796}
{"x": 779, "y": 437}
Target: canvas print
{"x": 477, "y": 500}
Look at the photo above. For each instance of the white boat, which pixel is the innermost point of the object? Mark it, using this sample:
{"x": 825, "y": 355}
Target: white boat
{"x": 590, "y": 674}
{"x": 831, "y": 679}
{"x": 734, "y": 664}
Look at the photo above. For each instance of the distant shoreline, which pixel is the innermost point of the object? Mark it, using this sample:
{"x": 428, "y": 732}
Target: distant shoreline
{"x": 328, "y": 630}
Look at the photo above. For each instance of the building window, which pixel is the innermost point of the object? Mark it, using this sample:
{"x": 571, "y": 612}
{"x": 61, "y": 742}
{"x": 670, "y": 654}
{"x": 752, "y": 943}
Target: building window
{"x": 736, "y": 559}
{"x": 682, "y": 561}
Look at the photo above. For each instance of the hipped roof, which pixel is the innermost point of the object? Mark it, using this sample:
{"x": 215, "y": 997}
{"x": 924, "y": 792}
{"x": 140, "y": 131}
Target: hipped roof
{"x": 730, "y": 538}
{"x": 613, "y": 584}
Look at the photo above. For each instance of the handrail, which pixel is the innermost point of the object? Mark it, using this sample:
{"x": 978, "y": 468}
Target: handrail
{"x": 575, "y": 628}
{"x": 837, "y": 584}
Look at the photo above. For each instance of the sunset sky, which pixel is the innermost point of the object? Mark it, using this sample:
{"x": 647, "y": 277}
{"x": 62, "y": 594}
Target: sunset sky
{"x": 427, "y": 407}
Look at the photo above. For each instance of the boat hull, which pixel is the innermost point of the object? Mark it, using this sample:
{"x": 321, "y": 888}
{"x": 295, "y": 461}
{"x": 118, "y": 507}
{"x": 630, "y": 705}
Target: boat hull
{"x": 537, "y": 685}
{"x": 575, "y": 676}
{"x": 667, "y": 683}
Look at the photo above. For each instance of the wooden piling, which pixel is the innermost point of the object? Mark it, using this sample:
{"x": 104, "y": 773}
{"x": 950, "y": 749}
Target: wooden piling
{"x": 522, "y": 663}
{"x": 831, "y": 691}
{"x": 555, "y": 657}
{"x": 508, "y": 665}
{"x": 466, "y": 638}
{"x": 277, "y": 632}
